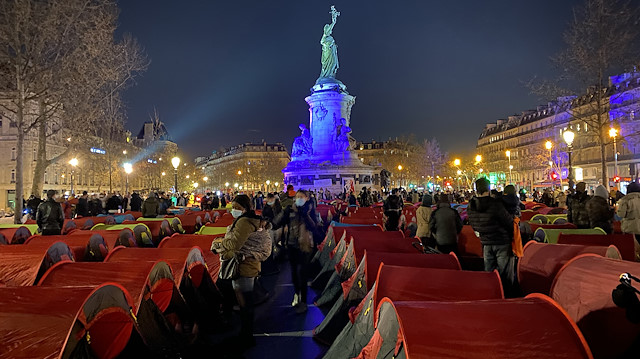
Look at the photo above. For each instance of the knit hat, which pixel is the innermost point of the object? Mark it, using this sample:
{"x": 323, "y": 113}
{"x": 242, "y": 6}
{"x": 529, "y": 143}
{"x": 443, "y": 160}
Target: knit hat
{"x": 427, "y": 200}
{"x": 633, "y": 187}
{"x": 602, "y": 192}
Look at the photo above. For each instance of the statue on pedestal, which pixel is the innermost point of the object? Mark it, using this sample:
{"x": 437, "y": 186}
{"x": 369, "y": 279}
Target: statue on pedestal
{"x": 343, "y": 141}
{"x": 329, "y": 58}
{"x": 302, "y": 143}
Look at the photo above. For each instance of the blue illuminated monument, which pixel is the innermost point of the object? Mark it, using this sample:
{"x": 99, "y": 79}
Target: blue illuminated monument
{"x": 323, "y": 155}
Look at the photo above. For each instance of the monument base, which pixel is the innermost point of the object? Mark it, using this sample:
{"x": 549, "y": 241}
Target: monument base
{"x": 345, "y": 173}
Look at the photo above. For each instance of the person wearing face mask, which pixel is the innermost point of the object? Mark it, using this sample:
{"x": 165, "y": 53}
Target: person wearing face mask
{"x": 50, "y": 216}
{"x": 302, "y": 221}
{"x": 245, "y": 223}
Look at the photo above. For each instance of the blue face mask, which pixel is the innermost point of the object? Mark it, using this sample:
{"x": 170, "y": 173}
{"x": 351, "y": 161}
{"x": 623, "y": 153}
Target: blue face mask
{"x": 236, "y": 213}
{"x": 300, "y": 202}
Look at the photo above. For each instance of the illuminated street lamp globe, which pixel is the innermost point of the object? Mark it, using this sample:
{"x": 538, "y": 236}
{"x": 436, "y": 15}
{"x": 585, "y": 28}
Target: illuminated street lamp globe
{"x": 510, "y": 167}
{"x": 195, "y": 185}
{"x": 508, "y": 153}
{"x": 478, "y": 158}
{"x": 613, "y": 132}
{"x": 205, "y": 178}
{"x": 459, "y": 172}
{"x": 235, "y": 185}
{"x": 128, "y": 168}
{"x": 164, "y": 173}
{"x": 73, "y": 162}
{"x": 399, "y": 167}
{"x": 277, "y": 184}
{"x": 548, "y": 145}
{"x": 239, "y": 172}
{"x": 175, "y": 162}
{"x": 268, "y": 182}
{"x": 568, "y": 137}
{"x": 456, "y": 162}
{"x": 226, "y": 184}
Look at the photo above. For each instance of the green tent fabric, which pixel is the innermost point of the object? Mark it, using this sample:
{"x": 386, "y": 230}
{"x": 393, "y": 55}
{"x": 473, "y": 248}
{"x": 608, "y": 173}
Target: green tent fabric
{"x": 141, "y": 232}
{"x": 549, "y": 218}
{"x": 32, "y": 227}
{"x": 548, "y": 235}
{"x": 212, "y": 230}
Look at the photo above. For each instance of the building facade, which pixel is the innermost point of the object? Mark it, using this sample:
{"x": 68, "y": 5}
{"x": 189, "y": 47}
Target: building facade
{"x": 529, "y": 150}
{"x": 246, "y": 167}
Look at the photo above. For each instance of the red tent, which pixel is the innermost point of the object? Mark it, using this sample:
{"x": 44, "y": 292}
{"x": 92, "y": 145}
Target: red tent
{"x": 135, "y": 214}
{"x": 158, "y": 229}
{"x": 355, "y": 288}
{"x": 533, "y": 327}
{"x": 583, "y": 287}
{"x": 86, "y": 246}
{"x": 363, "y": 220}
{"x": 624, "y": 242}
{"x": 24, "y": 265}
{"x": 541, "y": 262}
{"x": 470, "y": 249}
{"x": 15, "y": 235}
{"x": 39, "y": 322}
{"x": 124, "y": 237}
{"x": 203, "y": 241}
{"x": 528, "y": 214}
{"x": 150, "y": 284}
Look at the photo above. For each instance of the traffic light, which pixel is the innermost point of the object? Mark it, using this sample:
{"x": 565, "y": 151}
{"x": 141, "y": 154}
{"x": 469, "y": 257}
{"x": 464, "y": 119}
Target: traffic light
{"x": 616, "y": 179}
{"x": 448, "y": 184}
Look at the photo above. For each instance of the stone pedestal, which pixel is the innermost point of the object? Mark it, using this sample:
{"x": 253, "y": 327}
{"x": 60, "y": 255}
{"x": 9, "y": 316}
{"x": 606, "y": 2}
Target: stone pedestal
{"x": 330, "y": 163}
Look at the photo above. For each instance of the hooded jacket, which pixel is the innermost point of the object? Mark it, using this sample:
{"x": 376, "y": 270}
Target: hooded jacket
{"x": 629, "y": 210}
{"x": 302, "y": 225}
{"x": 599, "y": 212}
{"x": 235, "y": 238}
{"x": 488, "y": 217}
{"x": 50, "y": 215}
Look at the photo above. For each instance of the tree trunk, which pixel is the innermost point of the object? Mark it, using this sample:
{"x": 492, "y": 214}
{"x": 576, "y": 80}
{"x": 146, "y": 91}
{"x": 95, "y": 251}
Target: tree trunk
{"x": 41, "y": 160}
{"x": 20, "y": 143}
{"x": 603, "y": 164}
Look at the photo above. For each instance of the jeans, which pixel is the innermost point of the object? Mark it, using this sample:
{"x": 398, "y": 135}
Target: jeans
{"x": 497, "y": 257}
{"x": 243, "y": 284}
{"x": 299, "y": 261}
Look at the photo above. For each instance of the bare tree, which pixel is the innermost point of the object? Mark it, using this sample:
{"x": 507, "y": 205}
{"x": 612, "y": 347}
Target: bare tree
{"x": 433, "y": 158}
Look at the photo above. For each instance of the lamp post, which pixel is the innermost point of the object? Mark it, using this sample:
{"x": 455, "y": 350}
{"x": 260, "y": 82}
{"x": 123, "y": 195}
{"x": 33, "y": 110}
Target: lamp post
{"x": 400, "y": 177}
{"x": 73, "y": 162}
{"x": 549, "y": 145}
{"x": 459, "y": 172}
{"x": 568, "y": 137}
{"x": 613, "y": 133}
{"x": 268, "y": 182}
{"x": 175, "y": 162}
{"x": 128, "y": 168}
{"x": 508, "y": 153}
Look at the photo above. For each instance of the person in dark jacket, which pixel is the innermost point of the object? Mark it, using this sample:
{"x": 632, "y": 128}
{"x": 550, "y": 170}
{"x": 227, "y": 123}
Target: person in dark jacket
{"x": 302, "y": 221}
{"x": 445, "y": 224}
{"x": 82, "y": 208}
{"x": 151, "y": 206}
{"x": 392, "y": 210}
{"x": 136, "y": 202}
{"x": 272, "y": 209}
{"x": 599, "y": 212}
{"x": 113, "y": 203}
{"x": 50, "y": 216}
{"x": 223, "y": 201}
{"x": 577, "y": 207}
{"x": 491, "y": 220}
{"x": 215, "y": 202}
{"x": 32, "y": 206}
{"x": 511, "y": 201}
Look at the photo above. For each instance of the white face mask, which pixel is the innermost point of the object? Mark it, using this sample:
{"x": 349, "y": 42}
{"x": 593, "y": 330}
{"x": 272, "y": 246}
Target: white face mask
{"x": 271, "y": 203}
{"x": 236, "y": 213}
{"x": 300, "y": 202}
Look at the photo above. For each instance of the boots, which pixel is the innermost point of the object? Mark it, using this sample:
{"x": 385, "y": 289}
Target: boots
{"x": 246, "y": 301}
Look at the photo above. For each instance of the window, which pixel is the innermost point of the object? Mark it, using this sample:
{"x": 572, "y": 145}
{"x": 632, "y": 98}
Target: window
{"x": 46, "y": 177}
{"x": 13, "y": 154}
{"x": 13, "y": 176}
{"x": 35, "y": 155}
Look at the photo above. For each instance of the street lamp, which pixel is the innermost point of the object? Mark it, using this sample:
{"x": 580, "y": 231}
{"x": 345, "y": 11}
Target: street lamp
{"x": 549, "y": 145}
{"x": 73, "y": 162}
{"x": 478, "y": 158}
{"x": 175, "y": 162}
{"x": 128, "y": 168}
{"x": 508, "y": 153}
{"x": 226, "y": 184}
{"x": 268, "y": 182}
{"x": 456, "y": 162}
{"x": 400, "y": 179}
{"x": 568, "y": 137}
{"x": 613, "y": 133}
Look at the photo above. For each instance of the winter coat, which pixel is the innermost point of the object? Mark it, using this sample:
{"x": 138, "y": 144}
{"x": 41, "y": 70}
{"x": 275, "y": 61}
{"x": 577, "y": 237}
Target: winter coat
{"x": 629, "y": 210}
{"x": 512, "y": 204}
{"x": 82, "y": 208}
{"x": 113, "y": 203}
{"x": 150, "y": 207}
{"x": 215, "y": 202}
{"x": 136, "y": 202}
{"x": 233, "y": 241}
{"x": 445, "y": 225}
{"x": 600, "y": 214}
{"x": 488, "y": 217}
{"x": 423, "y": 216}
{"x": 303, "y": 225}
{"x": 577, "y": 209}
{"x": 50, "y": 215}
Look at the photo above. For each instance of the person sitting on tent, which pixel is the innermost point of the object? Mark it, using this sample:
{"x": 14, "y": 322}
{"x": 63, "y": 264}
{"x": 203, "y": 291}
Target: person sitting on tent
{"x": 50, "y": 216}
{"x": 303, "y": 226}
{"x": 245, "y": 223}
{"x": 423, "y": 216}
{"x": 151, "y": 206}
{"x": 577, "y": 207}
{"x": 444, "y": 225}
{"x": 491, "y": 220}
{"x": 599, "y": 212}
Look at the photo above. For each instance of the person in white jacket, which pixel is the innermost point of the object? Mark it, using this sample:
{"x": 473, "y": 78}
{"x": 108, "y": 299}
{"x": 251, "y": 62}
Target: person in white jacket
{"x": 629, "y": 211}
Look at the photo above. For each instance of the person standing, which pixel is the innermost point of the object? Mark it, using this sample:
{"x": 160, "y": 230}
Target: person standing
{"x": 629, "y": 211}
{"x": 245, "y": 222}
{"x": 599, "y": 212}
{"x": 392, "y": 210}
{"x": 491, "y": 220}
{"x": 136, "y": 202}
{"x": 577, "y": 207}
{"x": 49, "y": 216}
{"x": 82, "y": 209}
{"x": 302, "y": 221}
{"x": 151, "y": 206}
{"x": 445, "y": 224}
{"x": 423, "y": 216}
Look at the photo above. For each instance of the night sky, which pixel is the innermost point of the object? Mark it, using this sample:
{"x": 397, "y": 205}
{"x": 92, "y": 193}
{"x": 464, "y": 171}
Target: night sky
{"x": 228, "y": 72}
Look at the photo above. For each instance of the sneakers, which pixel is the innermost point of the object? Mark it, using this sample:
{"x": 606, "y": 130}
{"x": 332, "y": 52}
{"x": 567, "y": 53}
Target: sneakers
{"x": 296, "y": 300}
{"x": 301, "y": 308}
